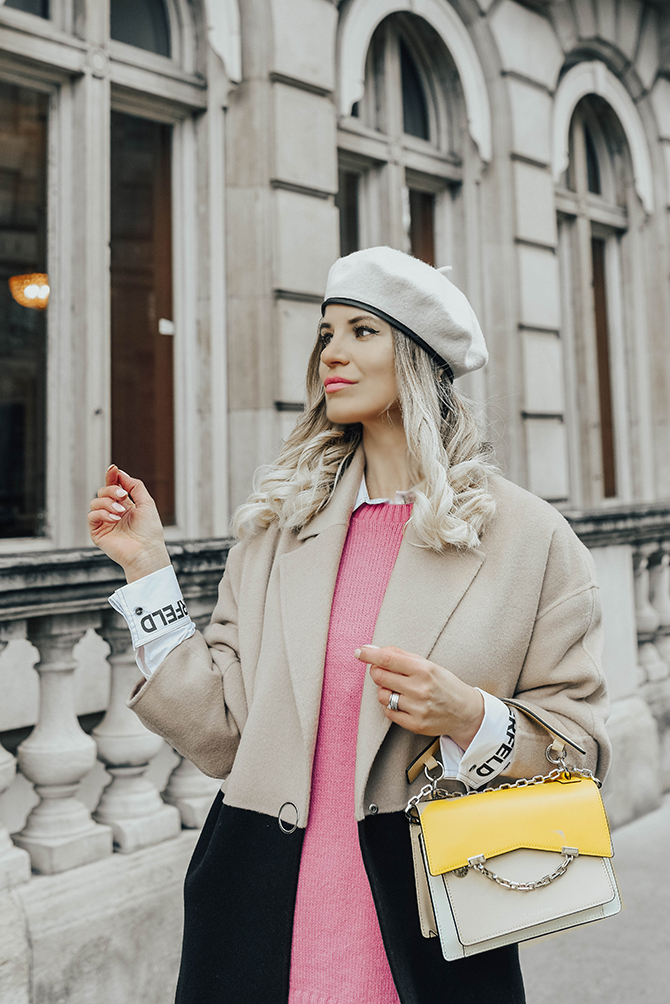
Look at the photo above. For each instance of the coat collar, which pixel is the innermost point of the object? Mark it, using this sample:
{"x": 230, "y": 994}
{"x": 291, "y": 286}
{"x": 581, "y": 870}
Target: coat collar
{"x": 423, "y": 591}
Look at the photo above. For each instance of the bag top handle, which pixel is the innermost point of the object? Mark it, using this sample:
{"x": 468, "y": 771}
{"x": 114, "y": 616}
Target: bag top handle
{"x": 427, "y": 758}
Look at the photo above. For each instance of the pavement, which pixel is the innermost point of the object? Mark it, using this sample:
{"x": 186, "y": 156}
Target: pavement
{"x": 624, "y": 959}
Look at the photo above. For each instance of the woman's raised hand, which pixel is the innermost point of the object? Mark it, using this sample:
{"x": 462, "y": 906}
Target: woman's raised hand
{"x": 124, "y": 523}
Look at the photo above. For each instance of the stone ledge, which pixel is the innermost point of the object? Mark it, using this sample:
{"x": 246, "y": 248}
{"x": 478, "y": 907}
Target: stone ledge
{"x": 60, "y": 582}
{"x": 107, "y": 932}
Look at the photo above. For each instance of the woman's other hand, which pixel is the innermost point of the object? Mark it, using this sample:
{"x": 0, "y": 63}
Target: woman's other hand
{"x": 124, "y": 523}
{"x": 432, "y": 701}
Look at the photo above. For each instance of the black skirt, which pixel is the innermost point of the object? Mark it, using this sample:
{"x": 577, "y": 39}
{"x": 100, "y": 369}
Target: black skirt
{"x": 239, "y": 898}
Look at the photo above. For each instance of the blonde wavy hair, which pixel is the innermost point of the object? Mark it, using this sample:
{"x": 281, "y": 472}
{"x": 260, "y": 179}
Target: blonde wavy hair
{"x": 449, "y": 463}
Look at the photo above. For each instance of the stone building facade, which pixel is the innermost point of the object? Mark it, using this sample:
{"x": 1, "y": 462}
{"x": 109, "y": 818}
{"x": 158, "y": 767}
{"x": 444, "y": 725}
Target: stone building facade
{"x": 181, "y": 174}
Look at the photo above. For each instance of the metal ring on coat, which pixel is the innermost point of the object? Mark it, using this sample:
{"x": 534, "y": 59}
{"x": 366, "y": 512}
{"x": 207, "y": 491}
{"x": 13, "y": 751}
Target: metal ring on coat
{"x": 284, "y": 825}
{"x": 393, "y": 702}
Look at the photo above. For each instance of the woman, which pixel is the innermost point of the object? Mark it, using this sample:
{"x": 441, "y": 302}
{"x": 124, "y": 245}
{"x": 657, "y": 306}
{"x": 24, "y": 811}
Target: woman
{"x": 355, "y": 619}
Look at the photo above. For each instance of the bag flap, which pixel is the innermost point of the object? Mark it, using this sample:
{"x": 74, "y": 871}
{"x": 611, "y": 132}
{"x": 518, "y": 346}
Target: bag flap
{"x": 545, "y": 817}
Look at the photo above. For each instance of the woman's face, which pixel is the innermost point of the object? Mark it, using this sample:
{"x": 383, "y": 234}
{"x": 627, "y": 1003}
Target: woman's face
{"x": 357, "y": 366}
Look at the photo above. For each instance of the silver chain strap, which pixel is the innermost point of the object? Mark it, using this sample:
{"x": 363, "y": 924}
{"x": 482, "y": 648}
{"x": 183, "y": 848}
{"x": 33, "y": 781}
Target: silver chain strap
{"x": 479, "y": 866}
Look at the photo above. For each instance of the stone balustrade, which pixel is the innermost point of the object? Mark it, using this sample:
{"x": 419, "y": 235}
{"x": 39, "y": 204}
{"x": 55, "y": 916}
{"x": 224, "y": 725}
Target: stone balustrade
{"x": 55, "y": 599}
{"x": 52, "y": 600}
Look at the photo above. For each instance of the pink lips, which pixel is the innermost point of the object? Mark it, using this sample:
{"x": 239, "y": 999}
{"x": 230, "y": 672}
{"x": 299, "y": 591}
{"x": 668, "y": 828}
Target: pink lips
{"x": 336, "y": 383}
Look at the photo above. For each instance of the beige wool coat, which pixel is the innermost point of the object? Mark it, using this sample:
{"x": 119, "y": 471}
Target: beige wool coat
{"x": 519, "y": 616}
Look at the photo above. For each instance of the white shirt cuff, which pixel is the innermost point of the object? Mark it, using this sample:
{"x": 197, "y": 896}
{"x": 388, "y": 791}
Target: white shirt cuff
{"x": 156, "y": 615}
{"x": 489, "y": 752}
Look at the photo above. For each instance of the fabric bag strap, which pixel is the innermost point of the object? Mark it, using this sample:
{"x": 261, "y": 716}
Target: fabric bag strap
{"x": 428, "y": 756}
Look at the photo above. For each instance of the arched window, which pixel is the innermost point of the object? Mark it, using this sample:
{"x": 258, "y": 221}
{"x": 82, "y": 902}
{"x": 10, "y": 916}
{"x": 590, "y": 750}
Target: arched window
{"x": 400, "y": 171}
{"x": 593, "y": 221}
{"x": 142, "y": 23}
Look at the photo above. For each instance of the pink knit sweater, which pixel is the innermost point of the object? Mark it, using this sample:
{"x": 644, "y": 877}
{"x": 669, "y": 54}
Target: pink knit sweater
{"x": 337, "y": 955}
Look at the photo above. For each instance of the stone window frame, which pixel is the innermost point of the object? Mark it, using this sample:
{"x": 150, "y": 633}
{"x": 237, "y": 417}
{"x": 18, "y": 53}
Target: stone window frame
{"x": 388, "y": 161}
{"x": 87, "y": 74}
{"x": 614, "y": 217}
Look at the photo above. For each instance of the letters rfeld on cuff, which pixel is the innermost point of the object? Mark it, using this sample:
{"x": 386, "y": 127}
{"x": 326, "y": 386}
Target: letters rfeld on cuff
{"x": 152, "y": 606}
{"x": 489, "y": 752}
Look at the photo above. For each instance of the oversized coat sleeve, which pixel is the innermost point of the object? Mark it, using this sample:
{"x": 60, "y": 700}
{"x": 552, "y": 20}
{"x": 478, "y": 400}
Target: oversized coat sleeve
{"x": 562, "y": 679}
{"x": 197, "y": 698}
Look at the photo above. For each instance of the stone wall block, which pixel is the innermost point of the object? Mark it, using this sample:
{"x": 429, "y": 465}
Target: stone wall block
{"x": 534, "y": 200}
{"x": 606, "y": 11}
{"x": 629, "y": 13}
{"x": 306, "y": 241}
{"x": 531, "y": 120}
{"x": 585, "y": 15}
{"x": 647, "y": 60}
{"x": 547, "y": 458}
{"x": 297, "y": 324}
{"x": 657, "y": 696}
{"x": 543, "y": 373}
{"x": 59, "y": 833}
{"x": 305, "y": 138}
{"x": 304, "y": 40}
{"x": 540, "y": 293}
{"x": 131, "y": 804}
{"x": 526, "y": 42}
{"x": 633, "y": 785}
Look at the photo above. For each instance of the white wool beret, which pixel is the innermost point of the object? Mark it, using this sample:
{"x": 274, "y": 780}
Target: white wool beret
{"x": 413, "y": 297}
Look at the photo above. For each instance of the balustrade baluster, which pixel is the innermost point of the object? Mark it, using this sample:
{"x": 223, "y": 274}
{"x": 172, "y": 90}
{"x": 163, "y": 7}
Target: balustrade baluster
{"x": 59, "y": 833}
{"x": 659, "y": 595}
{"x": 192, "y": 792}
{"x": 650, "y": 664}
{"x": 14, "y": 862}
{"x": 131, "y": 804}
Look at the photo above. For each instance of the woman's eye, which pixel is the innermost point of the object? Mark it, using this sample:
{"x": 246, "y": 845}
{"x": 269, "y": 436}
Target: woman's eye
{"x": 325, "y": 337}
{"x": 365, "y": 329}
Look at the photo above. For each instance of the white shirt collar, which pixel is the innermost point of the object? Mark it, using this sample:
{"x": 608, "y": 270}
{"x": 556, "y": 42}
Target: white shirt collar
{"x": 401, "y": 498}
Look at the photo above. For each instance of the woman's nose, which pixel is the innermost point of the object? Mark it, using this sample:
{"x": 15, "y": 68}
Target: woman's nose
{"x": 334, "y": 352}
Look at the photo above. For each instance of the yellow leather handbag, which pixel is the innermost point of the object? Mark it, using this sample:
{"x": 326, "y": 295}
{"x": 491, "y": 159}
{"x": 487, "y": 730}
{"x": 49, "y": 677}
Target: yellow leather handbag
{"x": 507, "y": 864}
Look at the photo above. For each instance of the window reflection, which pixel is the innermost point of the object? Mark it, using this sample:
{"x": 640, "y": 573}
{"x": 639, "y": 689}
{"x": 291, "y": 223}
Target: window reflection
{"x": 23, "y": 171}
{"x": 38, "y": 7}
{"x": 141, "y": 276}
{"x": 142, "y": 23}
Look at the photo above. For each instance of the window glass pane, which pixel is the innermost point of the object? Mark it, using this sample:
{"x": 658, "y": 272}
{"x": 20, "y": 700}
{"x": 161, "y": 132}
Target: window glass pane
{"x": 422, "y": 225}
{"x": 414, "y": 107}
{"x": 23, "y": 177}
{"x": 141, "y": 277}
{"x": 592, "y": 166}
{"x": 142, "y": 23}
{"x": 604, "y": 378}
{"x": 347, "y": 203}
{"x": 39, "y": 7}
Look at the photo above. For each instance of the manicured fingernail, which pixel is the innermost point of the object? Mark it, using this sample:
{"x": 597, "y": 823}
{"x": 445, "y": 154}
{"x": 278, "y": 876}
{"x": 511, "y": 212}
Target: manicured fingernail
{"x": 112, "y": 516}
{"x": 110, "y": 467}
{"x": 121, "y": 492}
{"x": 118, "y": 507}
{"x": 357, "y": 653}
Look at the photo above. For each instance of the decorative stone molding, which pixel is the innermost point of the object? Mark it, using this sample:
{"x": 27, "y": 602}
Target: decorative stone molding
{"x": 595, "y": 78}
{"x": 130, "y": 805}
{"x": 356, "y": 28}
{"x": 223, "y": 25}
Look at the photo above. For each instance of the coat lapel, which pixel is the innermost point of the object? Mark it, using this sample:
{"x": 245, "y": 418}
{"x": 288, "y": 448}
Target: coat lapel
{"x": 424, "y": 590}
{"x": 307, "y": 578}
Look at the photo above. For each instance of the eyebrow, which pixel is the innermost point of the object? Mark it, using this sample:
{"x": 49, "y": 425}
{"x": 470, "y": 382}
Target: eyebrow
{"x": 352, "y": 320}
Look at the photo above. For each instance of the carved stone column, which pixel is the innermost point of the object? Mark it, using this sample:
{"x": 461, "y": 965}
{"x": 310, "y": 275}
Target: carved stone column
{"x": 192, "y": 792}
{"x": 14, "y": 862}
{"x": 59, "y": 833}
{"x": 131, "y": 804}
{"x": 650, "y": 663}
